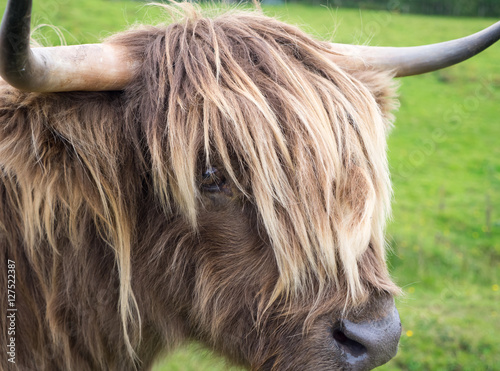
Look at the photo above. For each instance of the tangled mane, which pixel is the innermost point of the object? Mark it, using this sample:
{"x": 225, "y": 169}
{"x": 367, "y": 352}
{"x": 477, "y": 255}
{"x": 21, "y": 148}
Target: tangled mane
{"x": 303, "y": 140}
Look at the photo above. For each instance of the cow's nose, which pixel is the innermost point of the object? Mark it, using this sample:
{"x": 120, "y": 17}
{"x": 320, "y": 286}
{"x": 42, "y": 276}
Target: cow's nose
{"x": 366, "y": 345}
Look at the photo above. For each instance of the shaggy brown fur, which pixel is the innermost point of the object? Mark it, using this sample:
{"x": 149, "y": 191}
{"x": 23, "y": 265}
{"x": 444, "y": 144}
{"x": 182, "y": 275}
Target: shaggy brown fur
{"x": 121, "y": 252}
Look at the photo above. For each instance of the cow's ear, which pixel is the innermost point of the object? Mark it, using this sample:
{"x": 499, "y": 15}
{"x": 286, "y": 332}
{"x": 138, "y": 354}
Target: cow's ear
{"x": 384, "y": 88}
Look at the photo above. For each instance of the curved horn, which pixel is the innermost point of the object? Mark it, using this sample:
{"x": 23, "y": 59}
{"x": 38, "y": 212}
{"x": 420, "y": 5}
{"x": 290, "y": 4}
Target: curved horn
{"x": 92, "y": 67}
{"x": 408, "y": 61}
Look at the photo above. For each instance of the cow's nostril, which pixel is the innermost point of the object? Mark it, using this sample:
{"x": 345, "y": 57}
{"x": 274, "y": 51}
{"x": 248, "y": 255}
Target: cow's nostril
{"x": 348, "y": 345}
{"x": 365, "y": 345}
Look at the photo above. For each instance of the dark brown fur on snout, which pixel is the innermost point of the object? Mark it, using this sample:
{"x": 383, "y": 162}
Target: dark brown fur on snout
{"x": 124, "y": 247}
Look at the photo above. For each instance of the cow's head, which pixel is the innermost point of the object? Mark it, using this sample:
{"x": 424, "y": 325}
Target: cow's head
{"x": 265, "y": 153}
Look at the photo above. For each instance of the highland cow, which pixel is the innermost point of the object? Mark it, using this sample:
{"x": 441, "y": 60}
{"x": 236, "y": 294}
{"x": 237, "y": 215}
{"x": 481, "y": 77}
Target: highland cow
{"x": 216, "y": 179}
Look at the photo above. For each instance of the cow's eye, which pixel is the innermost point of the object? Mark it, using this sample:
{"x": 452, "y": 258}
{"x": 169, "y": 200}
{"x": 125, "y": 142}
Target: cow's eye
{"x": 212, "y": 180}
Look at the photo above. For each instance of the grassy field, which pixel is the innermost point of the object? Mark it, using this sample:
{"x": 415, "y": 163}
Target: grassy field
{"x": 445, "y": 162}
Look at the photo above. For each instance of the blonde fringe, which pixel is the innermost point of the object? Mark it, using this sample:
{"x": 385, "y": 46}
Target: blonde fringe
{"x": 266, "y": 100}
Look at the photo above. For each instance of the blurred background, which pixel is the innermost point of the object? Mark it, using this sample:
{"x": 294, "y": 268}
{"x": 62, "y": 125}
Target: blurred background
{"x": 444, "y": 156}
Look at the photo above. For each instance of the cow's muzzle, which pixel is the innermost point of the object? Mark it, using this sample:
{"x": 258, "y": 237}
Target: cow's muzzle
{"x": 369, "y": 344}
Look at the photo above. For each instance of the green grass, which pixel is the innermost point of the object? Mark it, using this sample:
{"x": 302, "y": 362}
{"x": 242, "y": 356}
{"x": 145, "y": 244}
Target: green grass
{"x": 445, "y": 161}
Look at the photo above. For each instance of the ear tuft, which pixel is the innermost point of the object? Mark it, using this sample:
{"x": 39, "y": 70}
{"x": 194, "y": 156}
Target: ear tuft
{"x": 384, "y": 89}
